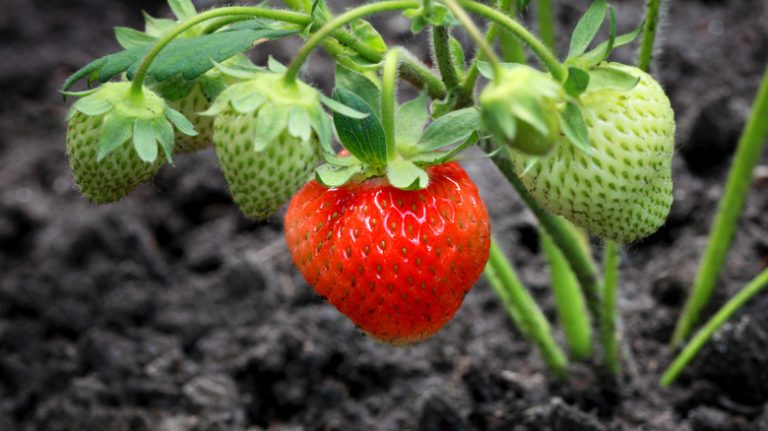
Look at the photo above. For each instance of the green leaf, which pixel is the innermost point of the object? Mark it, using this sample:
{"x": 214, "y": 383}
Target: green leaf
{"x": 611, "y": 33}
{"x": 275, "y": 66}
{"x": 240, "y": 71}
{"x": 92, "y": 105}
{"x": 573, "y": 125}
{"x": 364, "y": 138}
{"x": 334, "y": 176}
{"x": 144, "y": 141}
{"x": 130, "y": 38}
{"x": 343, "y": 109}
{"x": 115, "y": 130}
{"x": 587, "y": 28}
{"x": 181, "y": 122}
{"x": 157, "y": 26}
{"x": 299, "y": 123}
{"x": 164, "y": 135}
{"x": 577, "y": 82}
{"x": 183, "y": 9}
{"x": 530, "y": 111}
{"x": 606, "y": 77}
{"x": 323, "y": 127}
{"x": 486, "y": 69}
{"x": 457, "y": 55}
{"x": 364, "y": 31}
{"x": 405, "y": 175}
{"x": 410, "y": 119}
{"x": 248, "y": 102}
{"x": 440, "y": 157}
{"x": 597, "y": 54}
{"x": 451, "y": 128}
{"x": 272, "y": 121}
{"x": 361, "y": 85}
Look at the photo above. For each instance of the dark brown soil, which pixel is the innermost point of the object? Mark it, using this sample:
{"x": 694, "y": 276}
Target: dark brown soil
{"x": 169, "y": 311}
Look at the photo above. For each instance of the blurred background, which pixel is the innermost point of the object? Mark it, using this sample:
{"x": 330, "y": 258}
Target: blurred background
{"x": 170, "y": 311}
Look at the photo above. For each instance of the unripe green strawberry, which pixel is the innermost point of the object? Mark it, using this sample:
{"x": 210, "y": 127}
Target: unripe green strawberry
{"x": 519, "y": 108}
{"x": 190, "y": 106}
{"x": 266, "y": 139}
{"x": 621, "y": 189}
{"x": 113, "y": 138}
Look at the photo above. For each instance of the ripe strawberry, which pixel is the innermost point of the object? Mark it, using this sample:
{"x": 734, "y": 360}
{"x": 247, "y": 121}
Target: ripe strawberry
{"x": 622, "y": 188}
{"x": 397, "y": 263}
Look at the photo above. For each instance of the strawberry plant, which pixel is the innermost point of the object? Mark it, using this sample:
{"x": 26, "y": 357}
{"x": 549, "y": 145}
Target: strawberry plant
{"x": 382, "y": 222}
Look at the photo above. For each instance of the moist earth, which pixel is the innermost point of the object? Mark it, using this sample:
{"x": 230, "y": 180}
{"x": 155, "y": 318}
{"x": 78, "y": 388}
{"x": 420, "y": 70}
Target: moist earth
{"x": 170, "y": 311}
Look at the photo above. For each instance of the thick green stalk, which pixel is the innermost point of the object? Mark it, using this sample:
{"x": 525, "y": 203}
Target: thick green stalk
{"x": 564, "y": 236}
{"x": 441, "y": 37}
{"x": 511, "y": 48}
{"x": 747, "y": 154}
{"x": 652, "y": 14}
{"x": 706, "y": 332}
{"x": 608, "y": 315}
{"x": 546, "y": 20}
{"x": 278, "y": 15}
{"x": 338, "y": 22}
{"x": 569, "y": 301}
{"x": 523, "y": 309}
{"x": 388, "y": 96}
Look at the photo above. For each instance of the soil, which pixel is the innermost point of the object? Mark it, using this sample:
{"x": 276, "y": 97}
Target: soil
{"x": 170, "y": 311}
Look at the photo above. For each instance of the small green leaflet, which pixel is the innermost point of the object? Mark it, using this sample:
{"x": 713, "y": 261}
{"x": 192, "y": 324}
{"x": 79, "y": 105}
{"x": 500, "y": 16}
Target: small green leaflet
{"x": 189, "y": 57}
{"x": 275, "y": 66}
{"x": 181, "y": 122}
{"x": 405, "y": 175}
{"x": 364, "y": 31}
{"x": 114, "y": 132}
{"x": 597, "y": 54}
{"x": 342, "y": 109}
{"x": 130, "y": 38}
{"x": 574, "y": 126}
{"x": 364, "y": 138}
{"x": 577, "y": 82}
{"x": 587, "y": 28}
{"x": 606, "y": 77}
{"x": 299, "y": 124}
{"x": 457, "y": 56}
{"x": 164, "y": 135}
{"x": 451, "y": 128}
{"x": 92, "y": 105}
{"x": 183, "y": 9}
{"x": 331, "y": 175}
{"x": 144, "y": 140}
{"x": 323, "y": 127}
{"x": 410, "y": 119}
{"x": 360, "y": 85}
{"x": 270, "y": 123}
{"x": 486, "y": 69}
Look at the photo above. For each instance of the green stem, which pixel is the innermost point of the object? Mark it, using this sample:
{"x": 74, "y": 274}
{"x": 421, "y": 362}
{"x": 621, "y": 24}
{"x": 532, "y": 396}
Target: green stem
{"x": 511, "y": 48}
{"x": 747, "y": 154}
{"x": 475, "y": 34}
{"x": 523, "y": 309}
{"x": 563, "y": 234}
{"x": 388, "y": 99}
{"x": 414, "y": 71}
{"x": 652, "y": 14}
{"x": 546, "y": 56}
{"x": 546, "y": 21}
{"x": 706, "y": 332}
{"x": 569, "y": 301}
{"x": 339, "y": 21}
{"x": 441, "y": 38}
{"x": 279, "y": 15}
{"x": 468, "y": 85}
{"x": 608, "y": 315}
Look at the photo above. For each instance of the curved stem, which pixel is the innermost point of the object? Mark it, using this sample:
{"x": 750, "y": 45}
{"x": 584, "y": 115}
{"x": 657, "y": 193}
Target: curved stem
{"x": 523, "y": 309}
{"x": 747, "y": 155}
{"x": 441, "y": 46}
{"x": 652, "y": 14}
{"x": 608, "y": 314}
{"x": 388, "y": 102}
{"x": 546, "y": 56}
{"x": 701, "y": 337}
{"x": 475, "y": 34}
{"x": 339, "y": 21}
{"x": 279, "y": 15}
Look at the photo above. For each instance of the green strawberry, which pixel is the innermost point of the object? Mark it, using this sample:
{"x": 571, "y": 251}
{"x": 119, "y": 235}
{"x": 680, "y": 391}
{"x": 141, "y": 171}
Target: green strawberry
{"x": 190, "y": 106}
{"x": 113, "y": 138}
{"x": 267, "y": 137}
{"x": 621, "y": 189}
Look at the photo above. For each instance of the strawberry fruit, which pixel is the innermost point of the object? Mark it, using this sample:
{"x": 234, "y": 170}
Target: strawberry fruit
{"x": 396, "y": 262}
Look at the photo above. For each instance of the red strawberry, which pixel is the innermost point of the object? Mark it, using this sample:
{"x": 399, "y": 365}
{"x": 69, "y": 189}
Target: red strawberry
{"x": 397, "y": 263}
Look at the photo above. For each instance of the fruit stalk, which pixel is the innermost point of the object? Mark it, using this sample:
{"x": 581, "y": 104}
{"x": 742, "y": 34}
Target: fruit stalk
{"x": 474, "y": 33}
{"x": 443, "y": 56}
{"x": 388, "y": 100}
{"x": 564, "y": 236}
{"x": 524, "y": 310}
{"x": 569, "y": 301}
{"x": 652, "y": 14}
{"x": 706, "y": 332}
{"x": 608, "y": 335}
{"x": 747, "y": 154}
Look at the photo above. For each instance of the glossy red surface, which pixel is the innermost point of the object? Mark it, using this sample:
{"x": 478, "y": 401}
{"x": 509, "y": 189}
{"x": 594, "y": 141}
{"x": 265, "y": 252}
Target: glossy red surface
{"x": 397, "y": 263}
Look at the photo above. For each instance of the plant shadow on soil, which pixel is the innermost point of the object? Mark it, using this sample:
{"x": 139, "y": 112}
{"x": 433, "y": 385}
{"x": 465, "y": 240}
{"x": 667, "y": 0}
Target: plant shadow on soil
{"x": 169, "y": 311}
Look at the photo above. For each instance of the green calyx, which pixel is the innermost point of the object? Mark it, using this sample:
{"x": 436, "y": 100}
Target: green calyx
{"x": 144, "y": 118}
{"x": 278, "y": 105}
{"x": 521, "y": 108}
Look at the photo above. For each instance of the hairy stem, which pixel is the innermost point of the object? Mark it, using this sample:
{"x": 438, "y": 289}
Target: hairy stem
{"x": 339, "y": 21}
{"x": 388, "y": 102}
{"x": 564, "y": 236}
{"x": 731, "y": 204}
{"x": 523, "y": 309}
{"x": 443, "y": 57}
{"x": 608, "y": 315}
{"x": 652, "y": 14}
{"x": 546, "y": 21}
{"x": 569, "y": 301}
{"x": 475, "y": 33}
{"x": 706, "y": 332}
